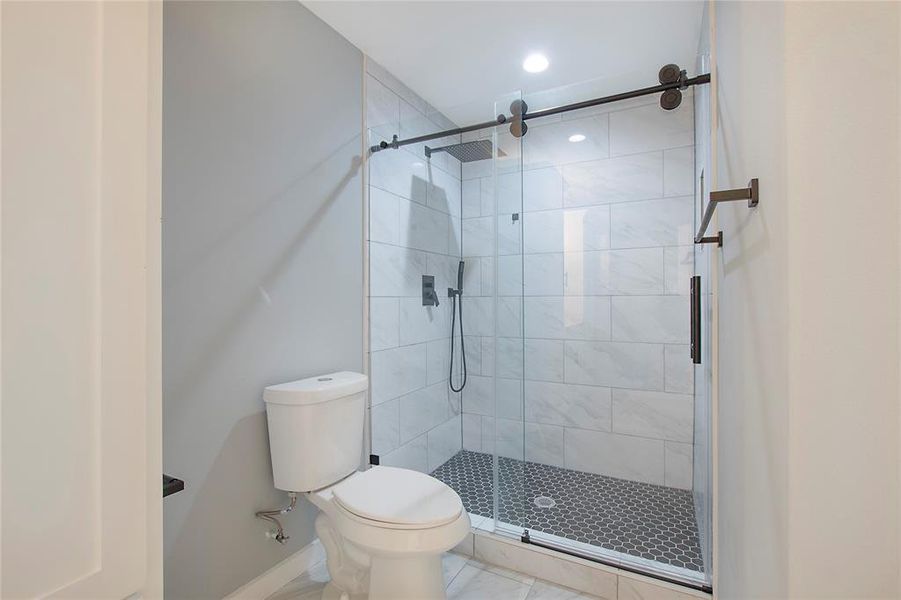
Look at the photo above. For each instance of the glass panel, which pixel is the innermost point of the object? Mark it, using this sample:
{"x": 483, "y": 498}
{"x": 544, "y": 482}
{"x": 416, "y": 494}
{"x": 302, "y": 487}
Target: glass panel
{"x": 607, "y": 255}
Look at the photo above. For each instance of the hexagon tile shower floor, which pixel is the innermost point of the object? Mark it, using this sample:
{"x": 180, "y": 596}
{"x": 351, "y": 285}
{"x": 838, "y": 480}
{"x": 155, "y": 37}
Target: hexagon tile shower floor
{"x": 650, "y": 521}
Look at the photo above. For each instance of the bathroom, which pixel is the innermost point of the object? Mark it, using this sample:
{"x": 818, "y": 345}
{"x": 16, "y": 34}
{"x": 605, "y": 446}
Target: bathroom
{"x": 514, "y": 300}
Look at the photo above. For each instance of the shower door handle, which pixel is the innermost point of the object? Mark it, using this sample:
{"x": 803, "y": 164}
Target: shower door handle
{"x": 696, "y": 319}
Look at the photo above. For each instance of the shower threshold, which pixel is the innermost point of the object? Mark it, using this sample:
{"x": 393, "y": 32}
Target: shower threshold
{"x": 649, "y": 523}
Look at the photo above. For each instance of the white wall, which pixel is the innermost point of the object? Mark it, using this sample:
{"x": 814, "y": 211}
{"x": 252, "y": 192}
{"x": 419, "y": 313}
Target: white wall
{"x": 808, "y": 335}
{"x": 262, "y": 264}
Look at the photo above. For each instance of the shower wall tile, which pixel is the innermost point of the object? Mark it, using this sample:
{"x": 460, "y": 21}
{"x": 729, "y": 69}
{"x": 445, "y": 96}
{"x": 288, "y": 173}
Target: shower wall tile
{"x": 473, "y": 354}
{"x": 542, "y": 189}
{"x": 508, "y": 358}
{"x": 478, "y": 315}
{"x": 623, "y": 456}
{"x": 508, "y": 398}
{"x": 614, "y": 272}
{"x": 662, "y": 319}
{"x": 583, "y": 406}
{"x": 504, "y": 435}
{"x": 509, "y": 316}
{"x": 395, "y": 271}
{"x": 384, "y": 318}
{"x": 412, "y": 455}
{"x": 667, "y": 222}
{"x": 544, "y": 359}
{"x": 543, "y": 232}
{"x": 400, "y": 173}
{"x": 397, "y": 371}
{"x": 543, "y": 274}
{"x": 423, "y": 410}
{"x": 509, "y": 275}
{"x": 575, "y": 318}
{"x": 422, "y": 228}
{"x": 586, "y": 229}
{"x": 622, "y": 179}
{"x": 614, "y": 364}
{"x": 472, "y": 198}
{"x": 651, "y": 128}
{"x": 678, "y": 465}
{"x": 656, "y": 415}
{"x": 678, "y": 171}
{"x": 420, "y": 323}
{"x": 444, "y": 441}
{"x": 472, "y": 432}
{"x": 478, "y": 236}
{"x": 385, "y": 427}
{"x": 384, "y": 216}
{"x": 678, "y": 370}
{"x": 487, "y": 358}
{"x": 472, "y": 277}
{"x": 478, "y": 397}
{"x": 678, "y": 267}
{"x": 509, "y": 233}
{"x": 544, "y": 444}
{"x": 548, "y": 144}
{"x": 437, "y": 357}
{"x": 415, "y": 229}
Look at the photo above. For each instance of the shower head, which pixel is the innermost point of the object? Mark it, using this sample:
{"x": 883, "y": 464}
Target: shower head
{"x": 468, "y": 151}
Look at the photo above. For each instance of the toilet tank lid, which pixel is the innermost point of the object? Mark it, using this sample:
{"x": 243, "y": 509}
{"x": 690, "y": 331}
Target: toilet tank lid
{"x": 314, "y": 390}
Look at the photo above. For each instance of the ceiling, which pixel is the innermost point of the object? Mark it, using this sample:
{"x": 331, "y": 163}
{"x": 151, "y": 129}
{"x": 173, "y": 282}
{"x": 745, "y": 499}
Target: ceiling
{"x": 463, "y": 56}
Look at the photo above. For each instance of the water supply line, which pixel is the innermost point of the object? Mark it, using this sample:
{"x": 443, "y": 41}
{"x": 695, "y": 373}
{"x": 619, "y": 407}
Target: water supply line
{"x": 270, "y": 515}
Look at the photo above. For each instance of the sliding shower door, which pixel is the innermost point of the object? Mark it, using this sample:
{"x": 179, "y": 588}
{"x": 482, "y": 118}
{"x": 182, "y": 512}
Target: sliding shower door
{"x": 593, "y": 380}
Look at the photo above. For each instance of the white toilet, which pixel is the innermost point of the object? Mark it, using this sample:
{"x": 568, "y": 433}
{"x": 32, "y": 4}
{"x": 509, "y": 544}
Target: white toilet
{"x": 384, "y": 529}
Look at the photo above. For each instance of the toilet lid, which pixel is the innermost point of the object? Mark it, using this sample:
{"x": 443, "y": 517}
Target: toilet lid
{"x": 399, "y": 496}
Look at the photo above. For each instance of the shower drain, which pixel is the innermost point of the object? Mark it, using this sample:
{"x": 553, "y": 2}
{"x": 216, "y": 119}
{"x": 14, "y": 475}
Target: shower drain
{"x": 545, "y": 502}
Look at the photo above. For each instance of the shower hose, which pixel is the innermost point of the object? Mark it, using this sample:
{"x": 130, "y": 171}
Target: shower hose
{"x": 454, "y": 309}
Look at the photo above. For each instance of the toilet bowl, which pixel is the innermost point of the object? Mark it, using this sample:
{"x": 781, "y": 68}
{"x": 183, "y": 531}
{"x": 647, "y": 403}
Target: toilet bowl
{"x": 384, "y": 529}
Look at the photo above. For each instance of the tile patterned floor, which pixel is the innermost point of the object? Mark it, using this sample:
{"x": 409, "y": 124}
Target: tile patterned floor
{"x": 465, "y": 579}
{"x": 650, "y": 521}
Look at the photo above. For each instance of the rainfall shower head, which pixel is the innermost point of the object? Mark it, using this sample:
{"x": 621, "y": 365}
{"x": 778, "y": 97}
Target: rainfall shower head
{"x": 468, "y": 151}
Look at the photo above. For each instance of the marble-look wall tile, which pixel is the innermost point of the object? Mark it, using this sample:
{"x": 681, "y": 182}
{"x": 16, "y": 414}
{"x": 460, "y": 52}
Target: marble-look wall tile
{"x": 678, "y": 465}
{"x": 509, "y": 275}
{"x": 548, "y": 144}
{"x": 623, "y": 456}
{"x": 401, "y": 173}
{"x": 678, "y": 369}
{"x": 384, "y": 323}
{"x": 384, "y": 216}
{"x": 486, "y": 266}
{"x": 478, "y": 236}
{"x": 587, "y": 407}
{"x": 478, "y": 315}
{"x": 472, "y": 198}
{"x": 472, "y": 432}
{"x": 678, "y": 267}
{"x": 397, "y": 371}
{"x": 444, "y": 441}
{"x": 478, "y": 395}
{"x": 508, "y": 398}
{"x": 444, "y": 191}
{"x": 608, "y": 272}
{"x": 622, "y": 179}
{"x": 660, "y": 319}
{"x": 412, "y": 455}
{"x": 614, "y": 364}
{"x": 505, "y": 437}
{"x": 385, "y": 427}
{"x": 544, "y": 444}
{"x": 656, "y": 415}
{"x": 508, "y": 358}
{"x": 420, "y": 323}
{"x": 423, "y": 410}
{"x": 560, "y": 317}
{"x": 542, "y": 189}
{"x": 422, "y": 228}
{"x": 651, "y": 128}
{"x": 543, "y": 274}
{"x": 395, "y": 271}
{"x": 509, "y": 234}
{"x": 544, "y": 359}
{"x": 382, "y": 109}
{"x": 437, "y": 357}
{"x": 509, "y": 316}
{"x": 543, "y": 232}
{"x": 667, "y": 222}
{"x": 679, "y": 171}
{"x": 586, "y": 229}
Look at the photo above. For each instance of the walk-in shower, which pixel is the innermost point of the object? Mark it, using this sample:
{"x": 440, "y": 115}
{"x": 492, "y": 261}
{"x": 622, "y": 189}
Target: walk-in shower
{"x": 580, "y": 427}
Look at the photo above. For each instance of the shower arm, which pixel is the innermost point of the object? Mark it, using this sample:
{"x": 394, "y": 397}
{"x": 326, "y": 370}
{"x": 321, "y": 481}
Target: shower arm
{"x": 680, "y": 84}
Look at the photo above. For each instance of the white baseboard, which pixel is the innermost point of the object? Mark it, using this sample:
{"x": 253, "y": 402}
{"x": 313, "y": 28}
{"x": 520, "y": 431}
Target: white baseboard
{"x": 278, "y": 576}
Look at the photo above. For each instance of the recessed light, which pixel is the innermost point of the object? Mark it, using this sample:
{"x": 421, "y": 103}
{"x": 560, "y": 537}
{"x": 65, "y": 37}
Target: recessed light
{"x": 577, "y": 137}
{"x": 535, "y": 63}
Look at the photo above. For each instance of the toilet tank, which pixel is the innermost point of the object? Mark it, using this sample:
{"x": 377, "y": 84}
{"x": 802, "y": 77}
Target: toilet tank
{"x": 315, "y": 429}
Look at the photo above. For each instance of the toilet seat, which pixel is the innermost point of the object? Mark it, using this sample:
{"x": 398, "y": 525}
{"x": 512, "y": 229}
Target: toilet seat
{"x": 395, "y": 498}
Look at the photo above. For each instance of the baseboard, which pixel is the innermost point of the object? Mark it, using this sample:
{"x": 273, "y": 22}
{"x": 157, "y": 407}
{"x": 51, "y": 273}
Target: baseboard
{"x": 278, "y": 576}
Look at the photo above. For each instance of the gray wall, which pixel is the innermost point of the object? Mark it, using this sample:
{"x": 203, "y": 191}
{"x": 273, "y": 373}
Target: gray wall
{"x": 262, "y": 264}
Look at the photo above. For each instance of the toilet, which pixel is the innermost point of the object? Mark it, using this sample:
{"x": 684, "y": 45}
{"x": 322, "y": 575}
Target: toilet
{"x": 384, "y": 529}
